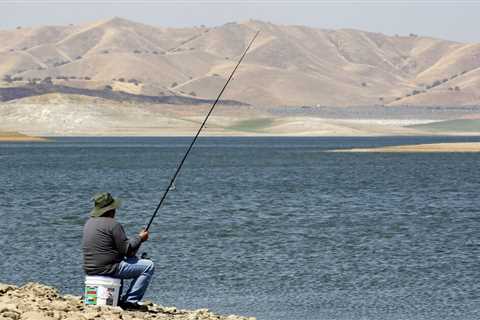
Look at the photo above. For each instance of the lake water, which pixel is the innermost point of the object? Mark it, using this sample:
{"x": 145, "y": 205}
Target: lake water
{"x": 270, "y": 227}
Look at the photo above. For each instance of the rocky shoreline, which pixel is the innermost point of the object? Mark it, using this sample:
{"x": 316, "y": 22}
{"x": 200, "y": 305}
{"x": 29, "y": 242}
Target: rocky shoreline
{"x": 35, "y": 301}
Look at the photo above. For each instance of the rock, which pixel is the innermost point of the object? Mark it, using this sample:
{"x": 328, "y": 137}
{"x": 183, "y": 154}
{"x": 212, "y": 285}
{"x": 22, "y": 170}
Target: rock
{"x": 4, "y": 288}
{"x": 8, "y": 307}
{"x": 11, "y": 314}
{"x": 72, "y": 298}
{"x": 91, "y": 315}
{"x": 35, "y": 315}
{"x": 76, "y": 316}
{"x": 39, "y": 290}
{"x": 60, "y": 306}
{"x": 35, "y": 301}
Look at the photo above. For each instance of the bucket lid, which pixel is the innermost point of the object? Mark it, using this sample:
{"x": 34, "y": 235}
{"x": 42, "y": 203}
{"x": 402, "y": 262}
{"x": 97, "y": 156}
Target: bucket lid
{"x": 102, "y": 280}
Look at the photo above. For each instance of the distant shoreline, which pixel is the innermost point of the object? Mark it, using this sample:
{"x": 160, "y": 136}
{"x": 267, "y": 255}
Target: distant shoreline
{"x": 451, "y": 147}
{"x": 48, "y": 137}
{"x": 18, "y": 137}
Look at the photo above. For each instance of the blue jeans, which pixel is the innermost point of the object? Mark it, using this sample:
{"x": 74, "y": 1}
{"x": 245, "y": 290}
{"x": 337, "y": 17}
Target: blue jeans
{"x": 141, "y": 271}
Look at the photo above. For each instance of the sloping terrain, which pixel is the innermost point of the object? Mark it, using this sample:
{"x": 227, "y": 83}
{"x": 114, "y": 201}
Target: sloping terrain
{"x": 465, "y": 126}
{"x": 78, "y": 115}
{"x": 287, "y": 65}
{"x": 14, "y": 93}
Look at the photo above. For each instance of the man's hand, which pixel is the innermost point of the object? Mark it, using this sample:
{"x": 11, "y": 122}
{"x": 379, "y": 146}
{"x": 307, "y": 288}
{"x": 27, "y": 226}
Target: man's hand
{"x": 143, "y": 235}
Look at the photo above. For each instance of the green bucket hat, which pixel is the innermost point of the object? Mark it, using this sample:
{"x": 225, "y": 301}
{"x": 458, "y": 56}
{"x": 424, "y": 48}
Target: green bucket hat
{"x": 104, "y": 202}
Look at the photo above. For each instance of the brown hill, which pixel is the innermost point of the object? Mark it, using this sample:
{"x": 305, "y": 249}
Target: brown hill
{"x": 288, "y": 65}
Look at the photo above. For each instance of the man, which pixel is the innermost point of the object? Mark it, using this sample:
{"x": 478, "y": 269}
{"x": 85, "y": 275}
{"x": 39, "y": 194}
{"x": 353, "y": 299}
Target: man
{"x": 108, "y": 252}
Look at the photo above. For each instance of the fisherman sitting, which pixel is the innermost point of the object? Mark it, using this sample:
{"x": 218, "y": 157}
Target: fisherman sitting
{"x": 108, "y": 252}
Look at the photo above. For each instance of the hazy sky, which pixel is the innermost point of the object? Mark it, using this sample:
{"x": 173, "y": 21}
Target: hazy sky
{"x": 454, "y": 20}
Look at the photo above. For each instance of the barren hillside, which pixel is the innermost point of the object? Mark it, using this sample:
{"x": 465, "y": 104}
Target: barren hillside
{"x": 287, "y": 66}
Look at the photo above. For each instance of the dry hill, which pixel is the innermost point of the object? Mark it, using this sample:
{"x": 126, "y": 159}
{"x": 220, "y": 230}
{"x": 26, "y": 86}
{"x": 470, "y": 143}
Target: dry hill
{"x": 287, "y": 66}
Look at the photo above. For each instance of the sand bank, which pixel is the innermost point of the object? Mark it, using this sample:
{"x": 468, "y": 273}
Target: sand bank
{"x": 34, "y": 301}
{"x": 433, "y": 147}
{"x": 18, "y": 137}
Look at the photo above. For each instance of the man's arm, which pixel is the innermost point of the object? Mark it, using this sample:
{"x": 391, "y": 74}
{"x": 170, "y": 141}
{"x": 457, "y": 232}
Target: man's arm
{"x": 125, "y": 246}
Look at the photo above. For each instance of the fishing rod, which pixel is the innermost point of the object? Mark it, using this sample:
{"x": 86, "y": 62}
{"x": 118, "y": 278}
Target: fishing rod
{"x": 172, "y": 180}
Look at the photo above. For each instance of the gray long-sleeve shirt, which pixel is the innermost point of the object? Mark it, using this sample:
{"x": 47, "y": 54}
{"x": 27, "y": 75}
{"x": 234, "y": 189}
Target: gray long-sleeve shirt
{"x": 105, "y": 245}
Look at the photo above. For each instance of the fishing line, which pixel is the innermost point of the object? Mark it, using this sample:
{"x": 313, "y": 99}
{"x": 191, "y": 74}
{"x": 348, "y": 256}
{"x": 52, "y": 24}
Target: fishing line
{"x": 172, "y": 180}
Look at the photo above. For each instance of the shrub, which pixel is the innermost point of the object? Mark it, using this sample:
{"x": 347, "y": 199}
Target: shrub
{"x": 88, "y": 78}
{"x": 47, "y": 80}
{"x": 173, "y": 85}
{"x": 78, "y": 58}
{"x": 137, "y": 51}
{"x": 457, "y": 88}
{"x": 108, "y": 87}
{"x": 415, "y": 92}
{"x": 193, "y": 94}
{"x": 8, "y": 78}
{"x": 105, "y": 51}
{"x": 134, "y": 81}
{"x": 60, "y": 63}
{"x": 364, "y": 84}
{"x": 121, "y": 79}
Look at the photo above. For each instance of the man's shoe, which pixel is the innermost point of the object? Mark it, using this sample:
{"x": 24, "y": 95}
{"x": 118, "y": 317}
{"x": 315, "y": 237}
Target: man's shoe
{"x": 132, "y": 306}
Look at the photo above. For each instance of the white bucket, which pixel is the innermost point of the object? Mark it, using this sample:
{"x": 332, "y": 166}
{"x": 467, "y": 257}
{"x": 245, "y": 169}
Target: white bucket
{"x": 101, "y": 291}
